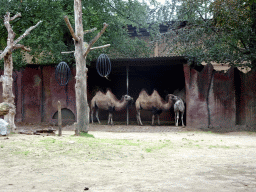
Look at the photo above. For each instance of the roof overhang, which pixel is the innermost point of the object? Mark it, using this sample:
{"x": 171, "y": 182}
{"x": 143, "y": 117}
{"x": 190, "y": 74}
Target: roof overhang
{"x": 147, "y": 61}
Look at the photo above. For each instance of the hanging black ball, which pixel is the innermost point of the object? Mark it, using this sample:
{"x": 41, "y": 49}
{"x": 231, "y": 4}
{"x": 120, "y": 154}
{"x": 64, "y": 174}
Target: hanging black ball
{"x": 103, "y": 65}
{"x": 62, "y": 73}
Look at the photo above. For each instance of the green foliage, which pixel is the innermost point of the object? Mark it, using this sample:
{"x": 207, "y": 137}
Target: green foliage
{"x": 222, "y": 31}
{"x": 52, "y": 36}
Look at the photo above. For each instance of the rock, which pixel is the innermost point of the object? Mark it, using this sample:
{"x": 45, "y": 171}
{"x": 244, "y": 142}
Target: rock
{"x": 4, "y": 127}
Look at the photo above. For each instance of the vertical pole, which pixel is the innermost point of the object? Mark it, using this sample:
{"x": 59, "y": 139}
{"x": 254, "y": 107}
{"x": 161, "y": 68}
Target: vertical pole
{"x": 127, "y": 84}
{"x": 59, "y": 118}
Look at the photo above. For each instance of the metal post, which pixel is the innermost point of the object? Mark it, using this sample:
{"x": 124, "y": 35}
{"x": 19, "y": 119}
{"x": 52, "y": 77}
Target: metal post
{"x": 127, "y": 84}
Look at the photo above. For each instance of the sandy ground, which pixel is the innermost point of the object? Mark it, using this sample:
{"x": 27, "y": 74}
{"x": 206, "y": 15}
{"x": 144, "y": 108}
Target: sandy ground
{"x": 129, "y": 158}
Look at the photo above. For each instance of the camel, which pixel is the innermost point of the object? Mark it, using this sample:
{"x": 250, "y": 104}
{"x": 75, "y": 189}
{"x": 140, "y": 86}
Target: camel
{"x": 179, "y": 107}
{"x": 153, "y": 103}
{"x": 108, "y": 102}
{"x": 181, "y": 94}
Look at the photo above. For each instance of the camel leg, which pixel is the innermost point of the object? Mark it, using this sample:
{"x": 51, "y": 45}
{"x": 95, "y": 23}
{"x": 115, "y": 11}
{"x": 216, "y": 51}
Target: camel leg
{"x": 108, "y": 118}
{"x": 153, "y": 119}
{"x": 158, "y": 119}
{"x": 97, "y": 115}
{"x": 175, "y": 117}
{"x": 177, "y": 120}
{"x": 138, "y": 118}
{"x": 92, "y": 111}
{"x": 111, "y": 119}
{"x": 182, "y": 119}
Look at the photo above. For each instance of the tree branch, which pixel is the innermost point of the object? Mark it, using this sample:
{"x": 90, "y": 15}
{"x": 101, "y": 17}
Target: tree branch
{"x": 26, "y": 33}
{"x": 99, "y": 47}
{"x": 15, "y": 16}
{"x": 201, "y": 15}
{"x": 71, "y": 29}
{"x": 6, "y": 50}
{"x": 67, "y": 52}
{"x": 89, "y": 31}
{"x": 19, "y": 46}
{"x": 13, "y": 45}
{"x": 11, "y": 34}
{"x": 105, "y": 25}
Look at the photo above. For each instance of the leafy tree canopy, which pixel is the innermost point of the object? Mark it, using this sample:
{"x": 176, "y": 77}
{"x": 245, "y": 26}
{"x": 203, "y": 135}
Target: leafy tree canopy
{"x": 52, "y": 36}
{"x": 222, "y": 31}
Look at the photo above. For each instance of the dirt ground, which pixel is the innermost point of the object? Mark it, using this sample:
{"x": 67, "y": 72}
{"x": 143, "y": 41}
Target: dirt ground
{"x": 128, "y": 158}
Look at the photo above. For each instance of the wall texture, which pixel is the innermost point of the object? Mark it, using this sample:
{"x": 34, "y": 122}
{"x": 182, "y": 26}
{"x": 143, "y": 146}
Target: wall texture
{"x": 37, "y": 93}
{"x": 218, "y": 99}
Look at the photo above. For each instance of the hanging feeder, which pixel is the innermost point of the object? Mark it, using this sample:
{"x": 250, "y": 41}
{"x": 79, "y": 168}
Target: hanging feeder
{"x": 103, "y": 65}
{"x": 62, "y": 73}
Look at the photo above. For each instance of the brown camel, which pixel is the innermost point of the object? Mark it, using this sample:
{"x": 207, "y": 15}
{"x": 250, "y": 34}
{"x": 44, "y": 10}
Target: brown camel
{"x": 153, "y": 103}
{"x": 108, "y": 102}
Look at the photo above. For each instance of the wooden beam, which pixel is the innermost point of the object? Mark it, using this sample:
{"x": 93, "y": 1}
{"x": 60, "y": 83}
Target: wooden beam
{"x": 71, "y": 29}
{"x": 59, "y": 118}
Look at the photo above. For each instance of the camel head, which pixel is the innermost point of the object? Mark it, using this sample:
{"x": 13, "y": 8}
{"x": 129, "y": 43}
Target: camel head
{"x": 171, "y": 97}
{"x": 127, "y": 98}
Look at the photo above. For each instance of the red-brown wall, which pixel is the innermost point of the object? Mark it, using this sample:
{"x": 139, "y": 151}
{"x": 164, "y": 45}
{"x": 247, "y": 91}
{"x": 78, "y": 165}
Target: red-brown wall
{"x": 37, "y": 93}
{"x": 246, "y": 98}
{"x": 218, "y": 99}
{"x": 197, "y": 86}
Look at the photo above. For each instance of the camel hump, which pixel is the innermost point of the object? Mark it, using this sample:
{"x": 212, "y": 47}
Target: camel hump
{"x": 99, "y": 93}
{"x": 143, "y": 93}
{"x": 111, "y": 95}
{"x": 156, "y": 97}
{"x": 155, "y": 93}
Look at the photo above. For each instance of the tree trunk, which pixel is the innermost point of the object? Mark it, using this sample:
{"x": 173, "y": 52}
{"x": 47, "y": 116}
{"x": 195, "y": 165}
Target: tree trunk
{"x": 8, "y": 96}
{"x": 82, "y": 106}
{"x": 81, "y": 50}
{"x": 7, "y": 79}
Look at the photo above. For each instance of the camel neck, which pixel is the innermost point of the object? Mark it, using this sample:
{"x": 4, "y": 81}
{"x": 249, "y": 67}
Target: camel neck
{"x": 119, "y": 105}
{"x": 166, "y": 106}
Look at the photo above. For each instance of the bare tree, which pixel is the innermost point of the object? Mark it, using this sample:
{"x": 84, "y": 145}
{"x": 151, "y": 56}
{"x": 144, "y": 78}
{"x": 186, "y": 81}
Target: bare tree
{"x": 81, "y": 51}
{"x": 7, "y": 79}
